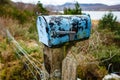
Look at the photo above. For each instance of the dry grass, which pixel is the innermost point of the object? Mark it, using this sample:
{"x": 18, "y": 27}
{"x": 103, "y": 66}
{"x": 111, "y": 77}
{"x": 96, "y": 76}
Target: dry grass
{"x": 92, "y": 54}
{"x": 11, "y": 68}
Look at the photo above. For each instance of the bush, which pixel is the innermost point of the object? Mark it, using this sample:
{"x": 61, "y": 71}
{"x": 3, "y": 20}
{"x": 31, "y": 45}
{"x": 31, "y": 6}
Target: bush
{"x": 77, "y": 10}
{"x": 22, "y": 16}
{"x": 108, "y": 21}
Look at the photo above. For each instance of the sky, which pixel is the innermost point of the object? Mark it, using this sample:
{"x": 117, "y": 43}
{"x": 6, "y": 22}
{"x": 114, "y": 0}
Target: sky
{"x": 59, "y": 2}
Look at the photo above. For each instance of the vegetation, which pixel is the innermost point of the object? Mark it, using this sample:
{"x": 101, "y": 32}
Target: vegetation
{"x": 98, "y": 52}
{"x": 77, "y": 10}
{"x": 108, "y": 21}
{"x": 22, "y": 15}
{"x": 22, "y": 24}
{"x": 13, "y": 12}
{"x": 111, "y": 47}
{"x": 2, "y": 2}
{"x": 40, "y": 9}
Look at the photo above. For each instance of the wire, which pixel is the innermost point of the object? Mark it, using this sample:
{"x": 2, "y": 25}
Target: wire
{"x": 30, "y": 59}
{"x": 26, "y": 64}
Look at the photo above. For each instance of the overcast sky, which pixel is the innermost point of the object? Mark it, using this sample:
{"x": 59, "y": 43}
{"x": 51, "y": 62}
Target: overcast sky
{"x": 59, "y": 2}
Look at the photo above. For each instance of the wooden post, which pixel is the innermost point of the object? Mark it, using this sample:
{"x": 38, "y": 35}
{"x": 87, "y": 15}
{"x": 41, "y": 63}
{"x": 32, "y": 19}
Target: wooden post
{"x": 69, "y": 67}
{"x": 53, "y": 62}
{"x": 58, "y": 65}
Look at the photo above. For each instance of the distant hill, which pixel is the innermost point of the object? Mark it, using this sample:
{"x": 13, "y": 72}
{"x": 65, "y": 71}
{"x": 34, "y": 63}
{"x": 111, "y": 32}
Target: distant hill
{"x": 85, "y": 7}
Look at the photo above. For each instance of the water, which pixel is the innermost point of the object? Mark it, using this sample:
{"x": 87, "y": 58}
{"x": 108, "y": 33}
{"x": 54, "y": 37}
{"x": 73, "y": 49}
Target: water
{"x": 97, "y": 15}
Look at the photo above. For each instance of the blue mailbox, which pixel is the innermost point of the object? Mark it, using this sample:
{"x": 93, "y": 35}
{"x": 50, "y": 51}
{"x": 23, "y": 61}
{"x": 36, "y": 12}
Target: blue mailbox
{"x": 54, "y": 30}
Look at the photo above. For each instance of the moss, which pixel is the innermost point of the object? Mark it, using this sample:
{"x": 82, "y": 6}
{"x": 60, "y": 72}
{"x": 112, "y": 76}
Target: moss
{"x": 3, "y": 45}
{"x": 15, "y": 72}
{"x": 91, "y": 71}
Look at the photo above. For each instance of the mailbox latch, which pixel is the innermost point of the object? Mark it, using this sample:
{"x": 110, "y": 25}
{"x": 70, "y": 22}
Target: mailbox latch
{"x": 70, "y": 33}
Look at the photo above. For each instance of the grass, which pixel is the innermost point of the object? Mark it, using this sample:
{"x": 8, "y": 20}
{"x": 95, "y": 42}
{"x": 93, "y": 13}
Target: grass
{"x": 98, "y": 52}
{"x": 11, "y": 68}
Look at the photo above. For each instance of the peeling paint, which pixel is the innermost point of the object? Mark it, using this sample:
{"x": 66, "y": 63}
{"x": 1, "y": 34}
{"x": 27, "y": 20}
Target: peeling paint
{"x": 58, "y": 29}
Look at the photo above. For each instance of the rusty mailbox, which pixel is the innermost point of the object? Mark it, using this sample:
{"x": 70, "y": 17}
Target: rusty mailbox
{"x": 54, "y": 30}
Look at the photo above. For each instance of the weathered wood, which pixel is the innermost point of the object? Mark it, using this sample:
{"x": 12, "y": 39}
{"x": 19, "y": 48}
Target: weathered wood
{"x": 58, "y": 68}
{"x": 69, "y": 67}
{"x": 53, "y": 62}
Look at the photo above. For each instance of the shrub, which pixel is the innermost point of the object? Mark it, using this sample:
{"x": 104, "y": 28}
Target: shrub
{"x": 108, "y": 21}
{"x": 40, "y": 9}
{"x": 10, "y": 11}
{"x": 77, "y": 10}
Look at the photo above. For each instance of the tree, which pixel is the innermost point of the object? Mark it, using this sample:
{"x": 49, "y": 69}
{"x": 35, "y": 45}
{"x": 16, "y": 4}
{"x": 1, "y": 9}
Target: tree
{"x": 76, "y": 10}
{"x": 40, "y": 9}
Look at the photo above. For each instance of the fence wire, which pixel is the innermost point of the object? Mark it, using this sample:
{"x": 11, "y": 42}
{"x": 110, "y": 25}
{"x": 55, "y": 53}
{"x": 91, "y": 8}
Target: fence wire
{"x": 29, "y": 61}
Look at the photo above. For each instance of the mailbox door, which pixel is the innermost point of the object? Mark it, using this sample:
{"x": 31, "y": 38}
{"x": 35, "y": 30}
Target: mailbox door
{"x": 41, "y": 27}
